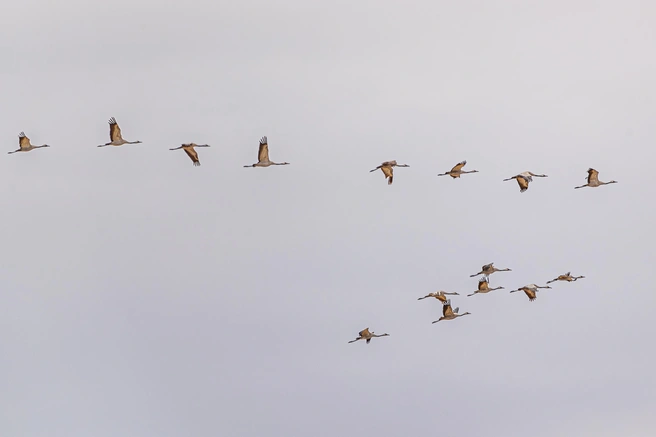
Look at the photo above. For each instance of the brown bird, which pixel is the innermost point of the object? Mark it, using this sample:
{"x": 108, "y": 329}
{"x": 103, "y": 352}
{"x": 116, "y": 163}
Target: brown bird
{"x": 439, "y": 295}
{"x": 566, "y": 277}
{"x": 593, "y": 179}
{"x": 448, "y": 313}
{"x": 387, "y": 168}
{"x": 456, "y": 171}
{"x": 366, "y": 335}
{"x": 483, "y": 286}
{"x": 488, "y": 269}
{"x": 263, "y": 155}
{"x": 189, "y": 150}
{"x": 115, "y": 135}
{"x": 530, "y": 290}
{"x": 25, "y": 145}
{"x": 524, "y": 178}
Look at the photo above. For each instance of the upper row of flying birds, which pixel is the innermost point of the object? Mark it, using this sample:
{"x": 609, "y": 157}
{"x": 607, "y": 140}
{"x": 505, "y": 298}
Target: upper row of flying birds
{"x": 263, "y": 160}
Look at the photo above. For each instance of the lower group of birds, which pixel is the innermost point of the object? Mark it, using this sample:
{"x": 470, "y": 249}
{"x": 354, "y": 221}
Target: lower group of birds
{"x": 449, "y": 313}
{"x": 387, "y": 167}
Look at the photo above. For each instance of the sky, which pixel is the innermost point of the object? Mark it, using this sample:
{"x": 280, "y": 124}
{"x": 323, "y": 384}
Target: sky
{"x": 142, "y": 296}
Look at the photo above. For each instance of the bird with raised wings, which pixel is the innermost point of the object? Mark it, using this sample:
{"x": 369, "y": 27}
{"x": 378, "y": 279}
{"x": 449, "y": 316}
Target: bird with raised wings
{"x": 530, "y": 290}
{"x": 439, "y": 295}
{"x": 24, "y": 144}
{"x": 263, "y": 155}
{"x": 484, "y": 286}
{"x": 593, "y": 180}
{"x": 524, "y": 178}
{"x": 488, "y": 269}
{"x": 366, "y": 335}
{"x": 387, "y": 168}
{"x": 566, "y": 277}
{"x": 115, "y": 135}
{"x": 191, "y": 152}
{"x": 457, "y": 170}
{"x": 449, "y": 313}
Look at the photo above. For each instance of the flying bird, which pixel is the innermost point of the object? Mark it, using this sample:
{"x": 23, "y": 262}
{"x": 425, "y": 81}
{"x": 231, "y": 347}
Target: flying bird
{"x": 263, "y": 156}
{"x": 566, "y": 277}
{"x": 457, "y": 170}
{"x": 524, "y": 178}
{"x": 366, "y": 335}
{"x": 191, "y": 153}
{"x": 387, "y": 168}
{"x": 439, "y": 295}
{"x": 593, "y": 179}
{"x": 115, "y": 135}
{"x": 448, "y": 313}
{"x": 484, "y": 287}
{"x": 25, "y": 145}
{"x": 530, "y": 290}
{"x": 488, "y": 269}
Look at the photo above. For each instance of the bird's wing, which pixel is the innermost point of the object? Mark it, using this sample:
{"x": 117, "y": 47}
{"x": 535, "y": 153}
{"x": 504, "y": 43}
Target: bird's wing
{"x": 263, "y": 153}
{"x": 446, "y": 310}
{"x": 387, "y": 171}
{"x": 389, "y": 163}
{"x": 487, "y": 266}
{"x": 23, "y": 141}
{"x": 523, "y": 183}
{"x": 482, "y": 284}
{"x": 114, "y": 130}
{"x": 364, "y": 332}
{"x": 458, "y": 167}
{"x": 593, "y": 175}
{"x": 191, "y": 153}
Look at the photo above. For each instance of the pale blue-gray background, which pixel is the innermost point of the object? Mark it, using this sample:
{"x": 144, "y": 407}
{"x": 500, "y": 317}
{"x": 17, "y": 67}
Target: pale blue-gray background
{"x": 141, "y": 296}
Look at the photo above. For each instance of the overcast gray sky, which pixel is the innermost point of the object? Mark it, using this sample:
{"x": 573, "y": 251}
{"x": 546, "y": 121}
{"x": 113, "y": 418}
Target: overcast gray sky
{"x": 142, "y": 296}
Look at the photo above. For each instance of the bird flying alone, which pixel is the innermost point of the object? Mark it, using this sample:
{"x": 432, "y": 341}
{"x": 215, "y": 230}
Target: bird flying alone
{"x": 388, "y": 171}
{"x": 263, "y": 156}
{"x": 24, "y": 144}
{"x": 457, "y": 170}
{"x": 566, "y": 277}
{"x": 488, "y": 269}
{"x": 530, "y": 290}
{"x": 449, "y": 313}
{"x": 115, "y": 135}
{"x": 524, "y": 178}
{"x": 366, "y": 335}
{"x": 593, "y": 179}
{"x": 191, "y": 153}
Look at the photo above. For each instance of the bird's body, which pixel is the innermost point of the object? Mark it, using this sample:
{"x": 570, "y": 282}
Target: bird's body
{"x": 387, "y": 169}
{"x": 457, "y": 170}
{"x": 566, "y": 277}
{"x": 524, "y": 178}
{"x": 593, "y": 179}
{"x": 366, "y": 335}
{"x": 24, "y": 144}
{"x": 191, "y": 152}
{"x": 263, "y": 155}
{"x": 449, "y": 313}
{"x": 488, "y": 269}
{"x": 530, "y": 290}
{"x": 439, "y": 295}
{"x": 115, "y": 135}
{"x": 484, "y": 286}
